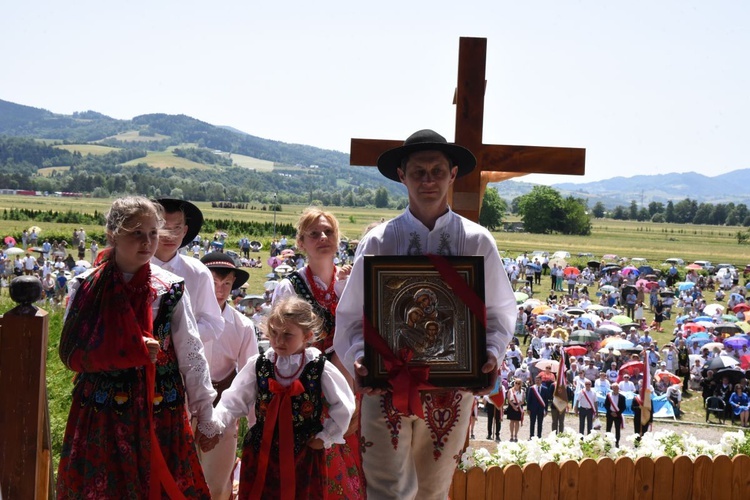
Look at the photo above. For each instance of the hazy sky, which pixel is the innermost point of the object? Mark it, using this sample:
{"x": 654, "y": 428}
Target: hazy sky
{"x": 645, "y": 86}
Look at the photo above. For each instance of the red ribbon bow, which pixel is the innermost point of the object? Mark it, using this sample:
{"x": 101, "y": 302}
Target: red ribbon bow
{"x": 279, "y": 413}
{"x": 405, "y": 381}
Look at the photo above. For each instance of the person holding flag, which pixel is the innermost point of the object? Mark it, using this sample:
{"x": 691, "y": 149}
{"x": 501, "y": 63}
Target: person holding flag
{"x": 642, "y": 415}
{"x": 559, "y": 398}
{"x": 615, "y": 405}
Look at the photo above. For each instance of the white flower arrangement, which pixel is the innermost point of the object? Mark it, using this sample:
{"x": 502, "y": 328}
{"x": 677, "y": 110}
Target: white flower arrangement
{"x": 569, "y": 445}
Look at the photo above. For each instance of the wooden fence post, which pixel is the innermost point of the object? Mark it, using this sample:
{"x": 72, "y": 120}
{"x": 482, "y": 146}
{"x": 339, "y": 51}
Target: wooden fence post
{"x": 25, "y": 455}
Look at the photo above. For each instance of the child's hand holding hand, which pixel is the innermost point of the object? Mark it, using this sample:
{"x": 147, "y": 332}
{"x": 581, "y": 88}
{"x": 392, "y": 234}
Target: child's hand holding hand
{"x": 153, "y": 348}
{"x": 207, "y": 444}
{"x": 315, "y": 443}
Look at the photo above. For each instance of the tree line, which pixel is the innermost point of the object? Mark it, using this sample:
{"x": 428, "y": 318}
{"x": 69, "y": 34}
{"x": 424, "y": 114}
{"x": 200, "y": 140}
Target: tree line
{"x": 686, "y": 211}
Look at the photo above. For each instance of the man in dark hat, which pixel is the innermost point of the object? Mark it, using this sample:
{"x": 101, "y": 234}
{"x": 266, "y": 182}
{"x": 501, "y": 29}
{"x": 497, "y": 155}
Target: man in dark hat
{"x": 226, "y": 356}
{"x": 404, "y": 458}
{"x": 182, "y": 223}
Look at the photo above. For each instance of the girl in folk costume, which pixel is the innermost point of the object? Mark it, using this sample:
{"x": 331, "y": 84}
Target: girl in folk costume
{"x": 516, "y": 397}
{"x": 320, "y": 283}
{"x": 137, "y": 354}
{"x": 283, "y": 453}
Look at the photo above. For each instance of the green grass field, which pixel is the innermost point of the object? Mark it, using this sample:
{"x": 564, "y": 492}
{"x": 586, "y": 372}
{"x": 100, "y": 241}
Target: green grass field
{"x": 627, "y": 239}
{"x": 134, "y": 136}
{"x": 252, "y": 163}
{"x": 166, "y": 159}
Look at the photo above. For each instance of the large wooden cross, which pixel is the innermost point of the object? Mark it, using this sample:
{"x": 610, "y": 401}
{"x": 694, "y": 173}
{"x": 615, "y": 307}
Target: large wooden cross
{"x": 495, "y": 163}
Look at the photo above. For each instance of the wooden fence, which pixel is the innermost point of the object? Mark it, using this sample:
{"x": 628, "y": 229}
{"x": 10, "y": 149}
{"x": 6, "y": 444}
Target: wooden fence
{"x": 722, "y": 478}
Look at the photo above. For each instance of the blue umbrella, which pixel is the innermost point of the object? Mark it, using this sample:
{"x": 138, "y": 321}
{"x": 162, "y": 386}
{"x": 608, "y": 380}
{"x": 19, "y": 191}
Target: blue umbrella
{"x": 535, "y": 267}
{"x": 646, "y": 270}
{"x": 687, "y": 285}
{"x": 703, "y": 318}
{"x": 735, "y": 342}
{"x": 747, "y": 287}
{"x": 738, "y": 297}
{"x": 701, "y": 338}
{"x": 583, "y": 322}
{"x": 681, "y": 319}
{"x": 543, "y": 318}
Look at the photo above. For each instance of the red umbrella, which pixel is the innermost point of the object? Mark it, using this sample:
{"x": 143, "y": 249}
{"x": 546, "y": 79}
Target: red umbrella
{"x": 576, "y": 350}
{"x": 694, "y": 267}
{"x": 648, "y": 285}
{"x": 632, "y": 368}
{"x": 741, "y": 307}
{"x": 571, "y": 270}
{"x": 9, "y": 240}
{"x": 745, "y": 361}
{"x": 669, "y": 378}
{"x": 693, "y": 328}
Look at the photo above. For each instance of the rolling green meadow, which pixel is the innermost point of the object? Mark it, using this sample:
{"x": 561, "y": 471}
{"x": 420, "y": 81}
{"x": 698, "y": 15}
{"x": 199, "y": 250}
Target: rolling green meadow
{"x": 654, "y": 242}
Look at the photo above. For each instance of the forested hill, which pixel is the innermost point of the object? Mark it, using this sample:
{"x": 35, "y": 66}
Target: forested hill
{"x": 304, "y": 173}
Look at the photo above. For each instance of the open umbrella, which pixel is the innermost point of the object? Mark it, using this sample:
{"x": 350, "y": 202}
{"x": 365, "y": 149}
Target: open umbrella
{"x": 574, "y": 311}
{"x": 252, "y": 301}
{"x": 713, "y": 345}
{"x": 576, "y": 350}
{"x": 520, "y": 297}
{"x": 10, "y": 240}
{"x": 632, "y": 368}
{"x": 540, "y": 309}
{"x": 607, "y": 288}
{"x": 621, "y": 344}
{"x": 730, "y": 318}
{"x": 694, "y": 267}
{"x": 732, "y": 374}
{"x": 535, "y": 267}
{"x": 283, "y": 269}
{"x": 584, "y": 336}
{"x": 608, "y": 330}
{"x": 668, "y": 377}
{"x": 700, "y": 337}
{"x": 692, "y": 328}
{"x": 627, "y": 271}
{"x": 646, "y": 271}
{"x": 554, "y": 312}
{"x": 719, "y": 362}
{"x": 83, "y": 263}
{"x": 583, "y": 322}
{"x": 744, "y": 326}
{"x": 605, "y": 350}
{"x": 594, "y": 307}
{"x": 35, "y": 229}
{"x": 666, "y": 293}
{"x": 593, "y": 264}
{"x": 646, "y": 285}
{"x": 546, "y": 364}
{"x": 685, "y": 285}
{"x": 621, "y": 319}
{"x": 15, "y": 251}
{"x": 610, "y": 267}
{"x": 270, "y": 285}
{"x": 610, "y": 310}
{"x": 743, "y": 307}
{"x": 287, "y": 253}
{"x": 543, "y": 318}
{"x": 712, "y": 309}
{"x": 736, "y": 342}
{"x": 570, "y": 270}
{"x": 730, "y": 328}
{"x": 737, "y": 297}
{"x": 559, "y": 261}
{"x": 274, "y": 262}
{"x": 552, "y": 340}
{"x": 595, "y": 319}
{"x": 37, "y": 249}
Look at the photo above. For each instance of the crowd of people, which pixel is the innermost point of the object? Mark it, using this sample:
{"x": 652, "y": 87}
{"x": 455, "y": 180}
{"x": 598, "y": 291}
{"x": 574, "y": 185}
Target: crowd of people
{"x": 166, "y": 351}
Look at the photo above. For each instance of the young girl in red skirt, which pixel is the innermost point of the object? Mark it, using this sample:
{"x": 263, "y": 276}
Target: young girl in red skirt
{"x": 136, "y": 350}
{"x": 283, "y": 453}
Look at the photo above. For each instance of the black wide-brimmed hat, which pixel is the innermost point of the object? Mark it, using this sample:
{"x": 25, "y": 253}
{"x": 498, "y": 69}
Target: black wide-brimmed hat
{"x": 218, "y": 260}
{"x": 425, "y": 140}
{"x": 193, "y": 216}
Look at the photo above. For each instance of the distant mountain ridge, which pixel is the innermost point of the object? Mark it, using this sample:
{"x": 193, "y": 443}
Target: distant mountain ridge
{"x": 90, "y": 126}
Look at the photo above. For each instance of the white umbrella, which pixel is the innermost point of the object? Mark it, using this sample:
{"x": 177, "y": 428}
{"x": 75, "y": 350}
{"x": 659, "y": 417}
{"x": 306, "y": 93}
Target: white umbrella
{"x": 83, "y": 263}
{"x": 283, "y": 269}
{"x": 712, "y": 309}
{"x": 552, "y": 340}
{"x": 15, "y": 251}
{"x": 270, "y": 285}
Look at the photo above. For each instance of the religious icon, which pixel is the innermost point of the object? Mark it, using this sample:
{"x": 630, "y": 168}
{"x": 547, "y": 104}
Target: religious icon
{"x": 411, "y": 306}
